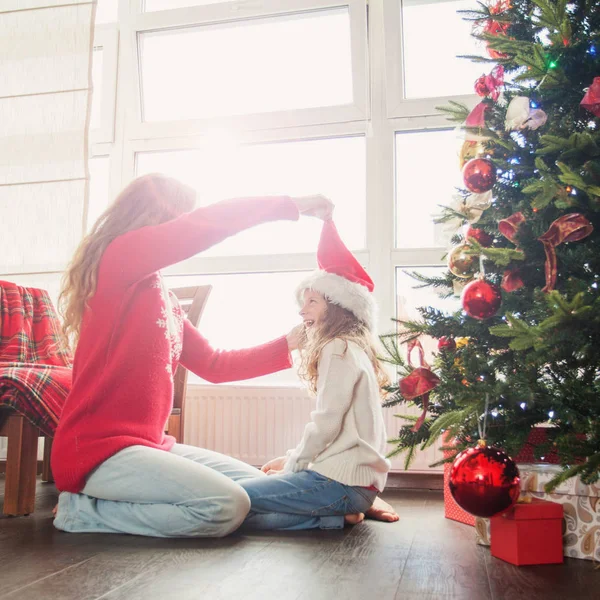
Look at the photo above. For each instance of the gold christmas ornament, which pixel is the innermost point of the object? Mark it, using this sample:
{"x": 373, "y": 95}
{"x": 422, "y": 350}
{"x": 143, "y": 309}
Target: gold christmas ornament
{"x": 461, "y": 342}
{"x": 462, "y": 264}
{"x": 468, "y": 151}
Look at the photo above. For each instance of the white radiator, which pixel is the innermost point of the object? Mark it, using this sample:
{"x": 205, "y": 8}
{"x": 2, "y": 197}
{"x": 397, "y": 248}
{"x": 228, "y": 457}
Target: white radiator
{"x": 257, "y": 424}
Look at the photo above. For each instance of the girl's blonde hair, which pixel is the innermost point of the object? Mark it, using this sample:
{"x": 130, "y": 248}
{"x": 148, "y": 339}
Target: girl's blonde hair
{"x": 148, "y": 200}
{"x": 337, "y": 322}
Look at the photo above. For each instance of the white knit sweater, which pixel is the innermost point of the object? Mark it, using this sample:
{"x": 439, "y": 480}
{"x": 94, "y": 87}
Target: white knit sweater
{"x": 345, "y": 439}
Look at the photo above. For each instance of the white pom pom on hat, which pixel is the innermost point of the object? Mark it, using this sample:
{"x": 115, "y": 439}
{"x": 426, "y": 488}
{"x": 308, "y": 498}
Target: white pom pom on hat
{"x": 341, "y": 278}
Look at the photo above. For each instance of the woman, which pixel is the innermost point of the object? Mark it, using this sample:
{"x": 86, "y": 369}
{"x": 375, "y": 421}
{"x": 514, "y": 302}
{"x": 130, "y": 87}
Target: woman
{"x": 116, "y": 469}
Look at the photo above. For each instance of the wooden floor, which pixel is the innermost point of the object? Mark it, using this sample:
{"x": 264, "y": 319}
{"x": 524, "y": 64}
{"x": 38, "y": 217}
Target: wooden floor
{"x": 422, "y": 556}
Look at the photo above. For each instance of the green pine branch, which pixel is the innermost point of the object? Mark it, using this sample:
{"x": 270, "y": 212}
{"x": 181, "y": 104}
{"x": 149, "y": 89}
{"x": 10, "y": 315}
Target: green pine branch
{"x": 455, "y": 111}
{"x": 570, "y": 177}
{"x": 499, "y": 256}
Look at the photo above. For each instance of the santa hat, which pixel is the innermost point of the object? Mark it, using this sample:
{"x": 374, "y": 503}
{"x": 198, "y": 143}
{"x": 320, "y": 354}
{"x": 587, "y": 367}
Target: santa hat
{"x": 340, "y": 278}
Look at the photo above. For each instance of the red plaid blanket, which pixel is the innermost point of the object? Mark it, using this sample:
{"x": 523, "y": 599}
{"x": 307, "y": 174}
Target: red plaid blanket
{"x": 35, "y": 366}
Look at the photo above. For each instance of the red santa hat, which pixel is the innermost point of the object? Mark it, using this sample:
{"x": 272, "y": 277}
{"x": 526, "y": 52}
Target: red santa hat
{"x": 340, "y": 278}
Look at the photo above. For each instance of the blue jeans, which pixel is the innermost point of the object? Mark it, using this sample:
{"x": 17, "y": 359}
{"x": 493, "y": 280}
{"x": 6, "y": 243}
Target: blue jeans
{"x": 303, "y": 500}
{"x": 187, "y": 492}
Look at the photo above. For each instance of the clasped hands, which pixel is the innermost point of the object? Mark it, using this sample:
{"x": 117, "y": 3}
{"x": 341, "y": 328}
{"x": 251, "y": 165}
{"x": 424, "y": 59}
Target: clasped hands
{"x": 274, "y": 466}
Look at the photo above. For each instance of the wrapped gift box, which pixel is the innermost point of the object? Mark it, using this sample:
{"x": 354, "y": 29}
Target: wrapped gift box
{"x": 451, "y": 509}
{"x": 581, "y": 510}
{"x": 529, "y": 534}
{"x": 538, "y": 437}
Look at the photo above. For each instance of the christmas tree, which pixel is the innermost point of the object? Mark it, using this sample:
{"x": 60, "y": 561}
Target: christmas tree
{"x": 524, "y": 350}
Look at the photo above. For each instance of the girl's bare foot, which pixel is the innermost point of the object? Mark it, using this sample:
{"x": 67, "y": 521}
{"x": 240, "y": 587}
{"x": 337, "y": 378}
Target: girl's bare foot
{"x": 354, "y": 519}
{"x": 54, "y": 510}
{"x": 382, "y": 511}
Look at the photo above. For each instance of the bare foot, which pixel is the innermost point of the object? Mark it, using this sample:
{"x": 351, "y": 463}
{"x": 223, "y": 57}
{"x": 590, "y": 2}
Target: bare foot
{"x": 354, "y": 519}
{"x": 382, "y": 511}
{"x": 54, "y": 510}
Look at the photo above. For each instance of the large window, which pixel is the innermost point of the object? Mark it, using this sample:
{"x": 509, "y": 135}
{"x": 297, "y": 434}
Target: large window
{"x": 410, "y": 295}
{"x": 334, "y": 167}
{"x": 241, "y": 98}
{"x": 242, "y": 67}
{"x": 434, "y": 35}
{"x": 426, "y": 175}
{"x": 245, "y": 310}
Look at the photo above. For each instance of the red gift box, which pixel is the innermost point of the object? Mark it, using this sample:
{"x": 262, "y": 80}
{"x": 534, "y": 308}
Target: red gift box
{"x": 537, "y": 436}
{"x": 451, "y": 509}
{"x": 529, "y": 534}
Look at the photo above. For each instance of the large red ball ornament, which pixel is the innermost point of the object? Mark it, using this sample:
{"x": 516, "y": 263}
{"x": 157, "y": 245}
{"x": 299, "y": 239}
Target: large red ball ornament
{"x": 481, "y": 300}
{"x": 479, "y": 175}
{"x": 484, "y": 481}
{"x": 480, "y": 236}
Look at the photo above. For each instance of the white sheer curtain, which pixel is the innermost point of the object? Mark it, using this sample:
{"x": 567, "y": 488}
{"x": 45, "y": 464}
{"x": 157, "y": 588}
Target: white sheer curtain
{"x": 45, "y": 97}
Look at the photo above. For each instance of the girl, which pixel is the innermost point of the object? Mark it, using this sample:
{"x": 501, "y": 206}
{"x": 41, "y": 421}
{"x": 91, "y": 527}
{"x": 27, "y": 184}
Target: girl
{"x": 115, "y": 467}
{"x": 339, "y": 466}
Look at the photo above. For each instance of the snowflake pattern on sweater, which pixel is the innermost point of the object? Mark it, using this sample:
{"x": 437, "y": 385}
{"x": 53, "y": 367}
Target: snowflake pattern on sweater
{"x": 171, "y": 320}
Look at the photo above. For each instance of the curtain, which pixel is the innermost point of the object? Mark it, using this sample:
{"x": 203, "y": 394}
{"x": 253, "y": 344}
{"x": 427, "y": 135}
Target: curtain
{"x": 46, "y": 51}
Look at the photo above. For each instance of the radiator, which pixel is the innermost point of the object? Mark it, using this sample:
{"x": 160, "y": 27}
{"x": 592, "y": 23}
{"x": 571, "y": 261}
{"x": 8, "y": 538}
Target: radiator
{"x": 257, "y": 424}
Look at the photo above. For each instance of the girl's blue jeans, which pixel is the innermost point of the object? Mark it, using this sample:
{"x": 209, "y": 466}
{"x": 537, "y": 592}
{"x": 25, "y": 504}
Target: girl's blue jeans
{"x": 187, "y": 492}
{"x": 303, "y": 500}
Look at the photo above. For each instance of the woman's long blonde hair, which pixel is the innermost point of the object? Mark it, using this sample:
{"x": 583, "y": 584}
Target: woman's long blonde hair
{"x": 337, "y": 322}
{"x": 148, "y": 200}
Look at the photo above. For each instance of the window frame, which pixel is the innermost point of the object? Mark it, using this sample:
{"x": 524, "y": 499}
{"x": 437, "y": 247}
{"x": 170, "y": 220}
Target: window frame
{"x": 230, "y": 12}
{"x": 107, "y": 37}
{"x": 397, "y": 104}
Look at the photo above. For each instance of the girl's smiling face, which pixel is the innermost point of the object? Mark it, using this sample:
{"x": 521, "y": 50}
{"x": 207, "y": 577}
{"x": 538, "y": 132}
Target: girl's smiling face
{"x": 314, "y": 308}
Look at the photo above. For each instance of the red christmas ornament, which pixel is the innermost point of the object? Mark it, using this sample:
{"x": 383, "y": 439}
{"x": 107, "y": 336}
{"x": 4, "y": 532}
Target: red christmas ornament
{"x": 481, "y": 300}
{"x": 479, "y": 175}
{"x": 484, "y": 481}
{"x": 591, "y": 100}
{"x": 481, "y": 88}
{"x": 446, "y": 343}
{"x": 496, "y": 54}
{"x": 495, "y": 28}
{"x": 480, "y": 236}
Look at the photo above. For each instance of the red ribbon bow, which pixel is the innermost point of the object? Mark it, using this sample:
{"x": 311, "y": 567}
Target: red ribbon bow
{"x": 419, "y": 382}
{"x": 591, "y": 100}
{"x": 509, "y": 227}
{"x": 489, "y": 85}
{"x": 568, "y": 228}
{"x": 512, "y": 280}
